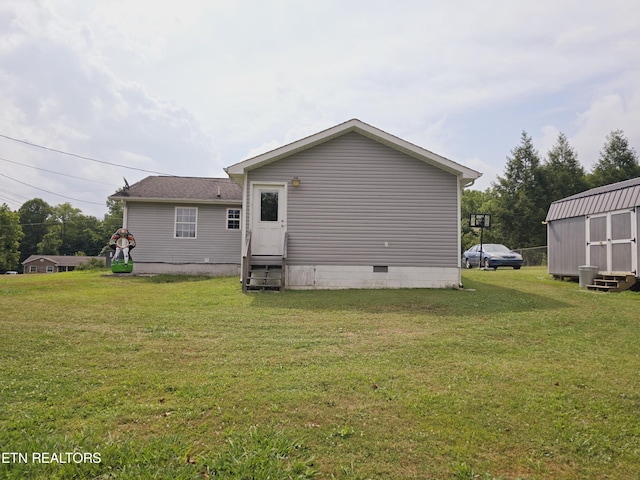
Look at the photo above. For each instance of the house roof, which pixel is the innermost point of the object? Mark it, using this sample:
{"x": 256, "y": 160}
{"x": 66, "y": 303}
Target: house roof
{"x": 616, "y": 196}
{"x": 182, "y": 189}
{"x": 60, "y": 260}
{"x": 238, "y": 170}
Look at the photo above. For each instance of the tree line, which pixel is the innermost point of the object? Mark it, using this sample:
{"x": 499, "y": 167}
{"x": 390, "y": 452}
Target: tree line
{"x": 40, "y": 228}
{"x": 519, "y": 200}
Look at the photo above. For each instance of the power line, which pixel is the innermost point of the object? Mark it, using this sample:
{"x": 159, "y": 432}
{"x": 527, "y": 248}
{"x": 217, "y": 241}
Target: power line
{"x": 47, "y": 224}
{"x": 8, "y": 200}
{"x": 47, "y": 191}
{"x": 58, "y": 173}
{"x": 82, "y": 156}
{"x": 7, "y": 196}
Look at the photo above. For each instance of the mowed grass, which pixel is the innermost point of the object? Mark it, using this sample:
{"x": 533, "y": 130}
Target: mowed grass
{"x": 517, "y": 376}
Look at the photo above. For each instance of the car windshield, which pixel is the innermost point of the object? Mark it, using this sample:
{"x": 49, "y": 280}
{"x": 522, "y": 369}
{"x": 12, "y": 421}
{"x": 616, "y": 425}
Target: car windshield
{"x": 495, "y": 247}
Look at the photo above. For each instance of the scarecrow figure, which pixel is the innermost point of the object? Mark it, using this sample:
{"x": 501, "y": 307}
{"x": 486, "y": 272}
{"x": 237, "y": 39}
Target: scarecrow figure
{"x": 122, "y": 242}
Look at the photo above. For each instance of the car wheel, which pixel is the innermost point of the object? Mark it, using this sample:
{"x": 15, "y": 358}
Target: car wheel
{"x": 516, "y": 268}
{"x": 467, "y": 264}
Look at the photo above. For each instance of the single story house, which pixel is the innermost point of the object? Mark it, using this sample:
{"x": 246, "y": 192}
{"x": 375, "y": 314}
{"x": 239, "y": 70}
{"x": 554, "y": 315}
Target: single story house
{"x": 54, "y": 263}
{"x": 598, "y": 227}
{"x": 184, "y": 225}
{"x": 349, "y": 207}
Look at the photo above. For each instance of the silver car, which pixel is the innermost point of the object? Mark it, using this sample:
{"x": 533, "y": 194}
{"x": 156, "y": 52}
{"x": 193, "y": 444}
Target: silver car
{"x": 493, "y": 255}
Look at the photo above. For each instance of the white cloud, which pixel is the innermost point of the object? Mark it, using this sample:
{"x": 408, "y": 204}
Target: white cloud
{"x": 189, "y": 89}
{"x": 607, "y": 113}
{"x": 56, "y": 93}
{"x": 547, "y": 140}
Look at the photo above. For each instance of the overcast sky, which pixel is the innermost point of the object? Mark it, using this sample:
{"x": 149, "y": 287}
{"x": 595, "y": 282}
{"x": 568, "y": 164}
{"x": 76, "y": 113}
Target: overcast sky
{"x": 188, "y": 88}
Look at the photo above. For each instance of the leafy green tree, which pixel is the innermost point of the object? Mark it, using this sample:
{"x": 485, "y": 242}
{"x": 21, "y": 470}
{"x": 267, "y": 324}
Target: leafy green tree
{"x": 520, "y": 203}
{"x": 70, "y": 232}
{"x": 34, "y": 215}
{"x": 10, "y": 236}
{"x": 618, "y": 161}
{"x": 83, "y": 234}
{"x": 112, "y": 220}
{"x": 51, "y": 242}
{"x": 475, "y": 201}
{"x": 564, "y": 175}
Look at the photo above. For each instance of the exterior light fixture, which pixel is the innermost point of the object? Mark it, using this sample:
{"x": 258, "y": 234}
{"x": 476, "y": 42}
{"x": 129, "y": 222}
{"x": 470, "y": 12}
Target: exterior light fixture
{"x": 295, "y": 182}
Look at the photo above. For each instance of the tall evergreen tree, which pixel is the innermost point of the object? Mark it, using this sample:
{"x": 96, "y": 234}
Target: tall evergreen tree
{"x": 564, "y": 175}
{"x": 520, "y": 198}
{"x": 618, "y": 161}
{"x": 10, "y": 236}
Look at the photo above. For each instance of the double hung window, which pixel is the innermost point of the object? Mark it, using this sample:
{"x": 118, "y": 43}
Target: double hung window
{"x": 186, "y": 222}
{"x": 233, "y": 219}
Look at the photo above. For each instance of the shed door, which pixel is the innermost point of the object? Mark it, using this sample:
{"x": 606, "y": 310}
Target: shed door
{"x": 611, "y": 241}
{"x": 268, "y": 219}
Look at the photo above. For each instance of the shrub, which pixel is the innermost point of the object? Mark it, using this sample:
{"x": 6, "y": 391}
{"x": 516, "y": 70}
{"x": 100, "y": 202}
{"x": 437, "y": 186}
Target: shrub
{"x": 92, "y": 264}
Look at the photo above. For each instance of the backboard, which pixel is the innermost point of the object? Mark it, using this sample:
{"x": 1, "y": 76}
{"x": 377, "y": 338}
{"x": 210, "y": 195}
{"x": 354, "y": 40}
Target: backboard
{"x": 480, "y": 220}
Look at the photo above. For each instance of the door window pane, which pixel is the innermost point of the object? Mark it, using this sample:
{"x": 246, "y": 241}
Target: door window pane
{"x": 269, "y": 206}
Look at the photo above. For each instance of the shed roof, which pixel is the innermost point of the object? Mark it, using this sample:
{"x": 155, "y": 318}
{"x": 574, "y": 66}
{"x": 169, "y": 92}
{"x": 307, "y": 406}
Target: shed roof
{"x": 467, "y": 175}
{"x": 616, "y": 196}
{"x": 61, "y": 260}
{"x": 182, "y": 189}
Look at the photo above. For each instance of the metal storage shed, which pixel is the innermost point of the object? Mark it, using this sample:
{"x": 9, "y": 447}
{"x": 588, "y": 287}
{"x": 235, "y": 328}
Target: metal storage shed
{"x": 598, "y": 227}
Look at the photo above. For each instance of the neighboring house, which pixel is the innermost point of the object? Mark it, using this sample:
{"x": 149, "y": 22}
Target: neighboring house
{"x": 184, "y": 225}
{"x": 598, "y": 228}
{"x": 54, "y": 263}
{"x": 351, "y": 207}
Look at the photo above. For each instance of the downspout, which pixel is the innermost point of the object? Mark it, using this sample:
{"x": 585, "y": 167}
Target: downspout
{"x": 459, "y": 230}
{"x": 462, "y": 187}
{"x": 469, "y": 184}
{"x": 125, "y": 216}
{"x": 243, "y": 219}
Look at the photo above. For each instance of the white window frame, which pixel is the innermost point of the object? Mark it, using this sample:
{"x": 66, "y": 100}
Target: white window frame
{"x": 234, "y": 218}
{"x": 50, "y": 269}
{"x": 194, "y": 223}
{"x": 33, "y": 269}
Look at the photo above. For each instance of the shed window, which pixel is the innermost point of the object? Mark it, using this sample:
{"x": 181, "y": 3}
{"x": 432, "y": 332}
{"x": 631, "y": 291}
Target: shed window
{"x": 186, "y": 219}
{"x": 233, "y": 219}
{"x": 33, "y": 269}
{"x": 49, "y": 268}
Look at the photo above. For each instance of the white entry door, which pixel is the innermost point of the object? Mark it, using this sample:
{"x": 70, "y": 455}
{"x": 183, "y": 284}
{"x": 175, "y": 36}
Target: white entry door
{"x": 268, "y": 218}
{"x": 611, "y": 242}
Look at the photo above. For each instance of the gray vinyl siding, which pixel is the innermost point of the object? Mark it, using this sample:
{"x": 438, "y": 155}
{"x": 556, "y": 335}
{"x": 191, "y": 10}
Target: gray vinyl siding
{"x": 566, "y": 246}
{"x": 355, "y": 195}
{"x": 153, "y": 226}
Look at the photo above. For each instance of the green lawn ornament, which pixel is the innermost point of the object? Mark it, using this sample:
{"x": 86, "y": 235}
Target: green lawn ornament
{"x": 122, "y": 242}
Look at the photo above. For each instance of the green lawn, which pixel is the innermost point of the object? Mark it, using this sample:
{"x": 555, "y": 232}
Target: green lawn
{"x": 518, "y": 376}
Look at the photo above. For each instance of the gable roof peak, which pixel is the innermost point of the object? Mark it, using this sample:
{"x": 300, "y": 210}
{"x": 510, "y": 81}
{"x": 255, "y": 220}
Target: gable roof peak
{"x": 238, "y": 170}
